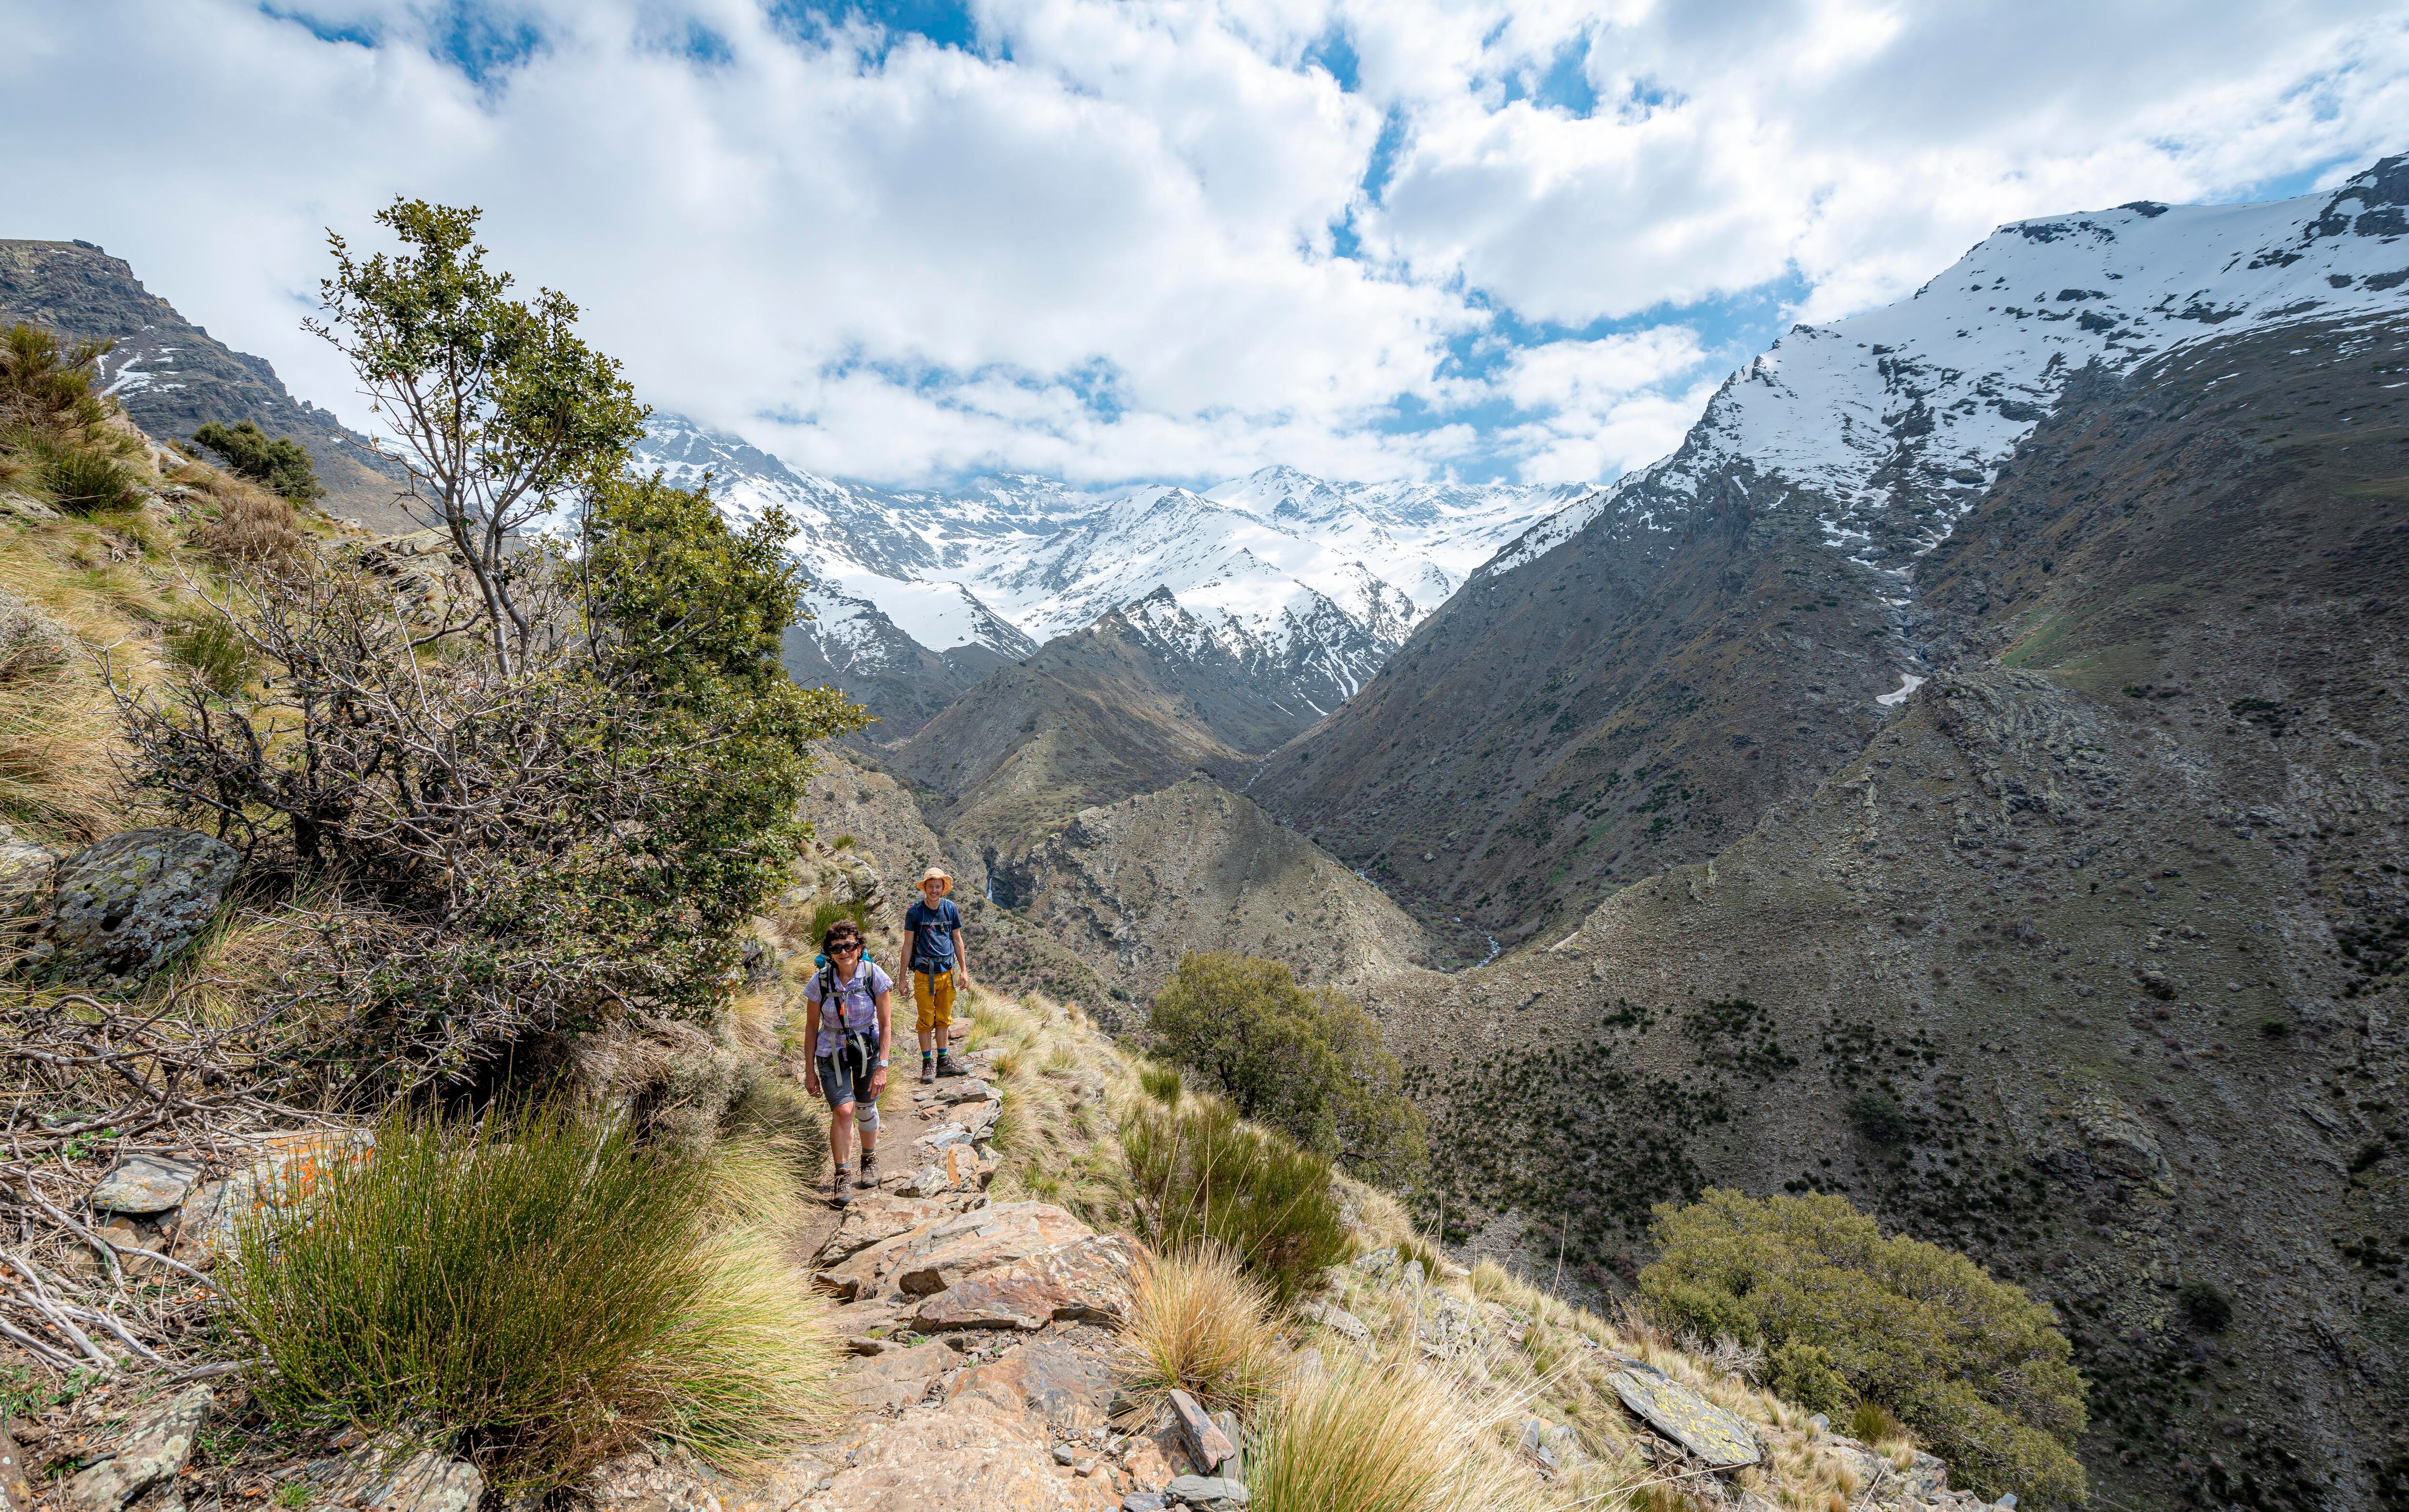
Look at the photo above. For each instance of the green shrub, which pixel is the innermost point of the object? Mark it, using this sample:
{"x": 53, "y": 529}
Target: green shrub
{"x": 1309, "y": 1064}
{"x": 84, "y": 482}
{"x": 1973, "y": 1366}
{"x": 1198, "y": 1174}
{"x": 541, "y": 1287}
{"x": 47, "y": 384}
{"x": 1878, "y": 1119}
{"x": 277, "y": 463}
{"x": 213, "y": 650}
{"x": 1806, "y": 1373}
{"x": 1161, "y": 1083}
{"x": 2205, "y": 1304}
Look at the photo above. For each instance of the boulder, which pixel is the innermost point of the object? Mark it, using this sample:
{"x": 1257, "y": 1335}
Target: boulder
{"x": 288, "y": 1171}
{"x": 967, "y": 1089}
{"x": 1086, "y": 1280}
{"x": 1065, "y": 1389}
{"x": 143, "y": 1185}
{"x": 643, "y": 1482}
{"x": 1337, "y": 1320}
{"x": 126, "y": 904}
{"x": 148, "y": 1455}
{"x": 1721, "y": 1439}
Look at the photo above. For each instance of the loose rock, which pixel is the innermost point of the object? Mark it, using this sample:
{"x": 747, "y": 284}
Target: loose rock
{"x": 151, "y": 1453}
{"x": 126, "y": 904}
{"x": 142, "y": 1184}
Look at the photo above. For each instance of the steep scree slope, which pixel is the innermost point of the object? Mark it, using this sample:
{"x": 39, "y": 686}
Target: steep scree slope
{"x": 2090, "y": 964}
{"x": 1636, "y": 680}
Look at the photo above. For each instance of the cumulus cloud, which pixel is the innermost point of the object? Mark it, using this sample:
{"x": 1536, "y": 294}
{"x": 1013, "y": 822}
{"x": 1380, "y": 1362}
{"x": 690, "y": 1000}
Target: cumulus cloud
{"x": 1173, "y": 240}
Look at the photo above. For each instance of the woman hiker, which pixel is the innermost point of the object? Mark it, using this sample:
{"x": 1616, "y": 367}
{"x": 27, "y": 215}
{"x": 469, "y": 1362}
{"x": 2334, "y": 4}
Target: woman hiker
{"x": 850, "y": 998}
{"x": 935, "y": 965}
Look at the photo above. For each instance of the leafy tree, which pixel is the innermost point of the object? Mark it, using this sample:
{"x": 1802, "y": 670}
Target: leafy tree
{"x": 1309, "y": 1064}
{"x": 1974, "y": 1365}
{"x": 502, "y": 411}
{"x": 278, "y": 464}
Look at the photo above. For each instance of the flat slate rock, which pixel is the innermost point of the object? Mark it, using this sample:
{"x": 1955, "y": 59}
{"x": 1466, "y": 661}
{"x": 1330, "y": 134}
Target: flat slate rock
{"x": 150, "y": 1453}
{"x": 1721, "y": 1439}
{"x": 1061, "y": 1388}
{"x": 143, "y": 1185}
{"x": 1086, "y": 1280}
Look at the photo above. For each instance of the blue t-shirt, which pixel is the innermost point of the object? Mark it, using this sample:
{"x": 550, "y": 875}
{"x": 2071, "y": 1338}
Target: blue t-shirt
{"x": 856, "y": 1005}
{"x": 932, "y": 934}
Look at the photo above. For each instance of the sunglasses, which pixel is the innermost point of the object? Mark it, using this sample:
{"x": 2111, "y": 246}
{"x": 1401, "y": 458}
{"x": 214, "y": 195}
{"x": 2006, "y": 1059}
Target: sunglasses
{"x": 844, "y": 950}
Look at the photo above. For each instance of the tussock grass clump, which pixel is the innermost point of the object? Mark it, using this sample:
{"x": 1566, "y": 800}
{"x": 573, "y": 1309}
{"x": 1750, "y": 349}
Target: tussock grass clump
{"x": 1198, "y": 1174}
{"x": 1360, "y": 1437}
{"x": 1162, "y": 1083}
{"x": 1199, "y": 1323}
{"x": 251, "y": 525}
{"x": 542, "y": 1286}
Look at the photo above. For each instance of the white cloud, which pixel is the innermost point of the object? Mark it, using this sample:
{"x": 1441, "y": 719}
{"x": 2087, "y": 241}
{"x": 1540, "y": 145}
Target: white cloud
{"x": 1117, "y": 241}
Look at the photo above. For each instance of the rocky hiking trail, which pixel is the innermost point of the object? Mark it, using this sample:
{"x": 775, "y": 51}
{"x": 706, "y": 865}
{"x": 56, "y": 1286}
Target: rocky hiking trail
{"x": 979, "y": 1376}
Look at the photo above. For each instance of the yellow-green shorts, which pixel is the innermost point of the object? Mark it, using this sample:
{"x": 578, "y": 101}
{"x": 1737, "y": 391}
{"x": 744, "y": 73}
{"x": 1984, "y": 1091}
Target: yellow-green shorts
{"x": 932, "y": 998}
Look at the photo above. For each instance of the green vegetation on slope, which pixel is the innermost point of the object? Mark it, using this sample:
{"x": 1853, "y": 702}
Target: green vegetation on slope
{"x": 1309, "y": 1064}
{"x": 1974, "y": 1365}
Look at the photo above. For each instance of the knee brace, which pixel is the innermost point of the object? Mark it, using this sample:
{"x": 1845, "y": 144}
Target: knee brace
{"x": 865, "y": 1117}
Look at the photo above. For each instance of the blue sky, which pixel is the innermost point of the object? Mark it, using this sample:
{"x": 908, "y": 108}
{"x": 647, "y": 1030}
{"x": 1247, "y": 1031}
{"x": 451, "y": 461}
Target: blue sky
{"x": 1112, "y": 242}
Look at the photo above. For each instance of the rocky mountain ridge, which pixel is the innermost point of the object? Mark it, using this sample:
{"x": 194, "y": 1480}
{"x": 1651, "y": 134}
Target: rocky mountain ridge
{"x": 1631, "y": 682}
{"x": 172, "y": 377}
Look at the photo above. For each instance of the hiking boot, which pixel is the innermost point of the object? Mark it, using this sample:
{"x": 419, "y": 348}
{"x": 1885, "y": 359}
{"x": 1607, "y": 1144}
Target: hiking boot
{"x": 868, "y": 1179}
{"x": 947, "y": 1065}
{"x": 839, "y": 1196}
{"x": 928, "y": 1070}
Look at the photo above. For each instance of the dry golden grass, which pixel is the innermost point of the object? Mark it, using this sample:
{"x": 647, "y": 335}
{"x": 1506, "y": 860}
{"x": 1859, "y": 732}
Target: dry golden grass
{"x": 251, "y": 525}
{"x": 1198, "y": 1323}
{"x": 1359, "y": 1436}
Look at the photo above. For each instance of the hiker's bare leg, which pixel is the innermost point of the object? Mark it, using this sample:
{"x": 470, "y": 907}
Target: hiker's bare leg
{"x": 841, "y": 1134}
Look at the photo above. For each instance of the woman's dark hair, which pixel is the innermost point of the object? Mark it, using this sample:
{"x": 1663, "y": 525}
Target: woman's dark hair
{"x": 841, "y": 929}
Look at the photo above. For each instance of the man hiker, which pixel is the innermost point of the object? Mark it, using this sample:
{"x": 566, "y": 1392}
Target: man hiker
{"x": 850, "y": 998}
{"x": 935, "y": 966}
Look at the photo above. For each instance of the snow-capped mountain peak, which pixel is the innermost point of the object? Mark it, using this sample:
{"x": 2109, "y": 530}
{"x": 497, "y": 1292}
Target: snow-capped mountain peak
{"x": 1303, "y": 585}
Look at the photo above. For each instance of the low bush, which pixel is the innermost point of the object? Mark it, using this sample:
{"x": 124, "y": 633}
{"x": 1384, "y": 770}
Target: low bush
{"x": 1878, "y": 1119}
{"x": 46, "y": 384}
{"x": 1161, "y": 1083}
{"x": 1309, "y": 1064}
{"x": 1198, "y": 1323}
{"x": 1359, "y": 1438}
{"x": 82, "y": 482}
{"x": 213, "y": 650}
{"x": 2206, "y": 1304}
{"x": 1197, "y": 1173}
{"x": 541, "y": 1286}
{"x": 1977, "y": 1368}
{"x": 275, "y": 463}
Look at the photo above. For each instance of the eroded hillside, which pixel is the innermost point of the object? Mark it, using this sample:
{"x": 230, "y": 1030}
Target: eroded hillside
{"x": 2089, "y": 963}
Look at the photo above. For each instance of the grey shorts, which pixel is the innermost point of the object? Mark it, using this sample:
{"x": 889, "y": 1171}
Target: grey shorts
{"x": 837, "y": 1074}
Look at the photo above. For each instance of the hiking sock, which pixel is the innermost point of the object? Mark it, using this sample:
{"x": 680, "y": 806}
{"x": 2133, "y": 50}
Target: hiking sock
{"x": 869, "y": 1170}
